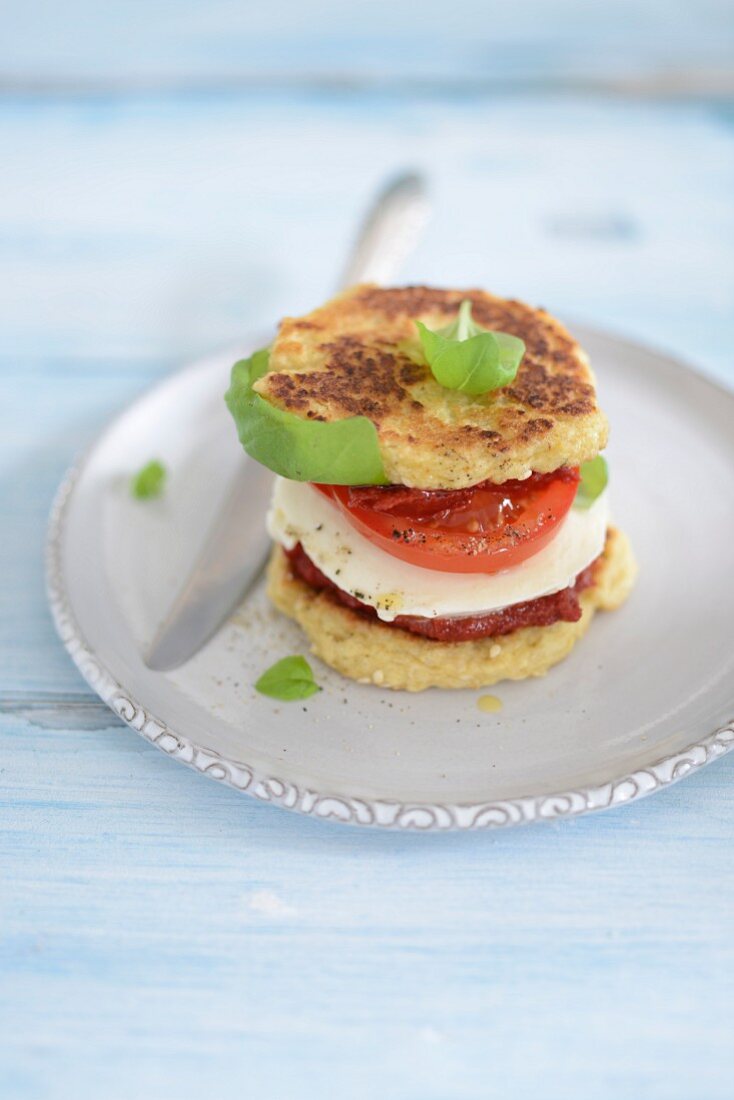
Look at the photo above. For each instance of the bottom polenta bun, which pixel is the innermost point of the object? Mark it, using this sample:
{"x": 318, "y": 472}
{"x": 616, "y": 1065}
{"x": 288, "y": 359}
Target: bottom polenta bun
{"x": 373, "y": 652}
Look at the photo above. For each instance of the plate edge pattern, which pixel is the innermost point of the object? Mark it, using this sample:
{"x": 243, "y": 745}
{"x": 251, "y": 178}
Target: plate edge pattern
{"x": 420, "y": 817}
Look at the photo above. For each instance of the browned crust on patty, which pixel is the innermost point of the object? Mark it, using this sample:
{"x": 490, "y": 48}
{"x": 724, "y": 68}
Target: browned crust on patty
{"x": 359, "y": 355}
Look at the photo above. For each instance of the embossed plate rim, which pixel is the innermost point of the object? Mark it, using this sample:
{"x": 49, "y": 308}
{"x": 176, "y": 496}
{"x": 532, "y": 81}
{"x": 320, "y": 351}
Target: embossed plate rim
{"x": 333, "y": 806}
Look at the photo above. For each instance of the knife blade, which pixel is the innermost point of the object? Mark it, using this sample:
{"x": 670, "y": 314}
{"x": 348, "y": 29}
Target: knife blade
{"x": 236, "y": 546}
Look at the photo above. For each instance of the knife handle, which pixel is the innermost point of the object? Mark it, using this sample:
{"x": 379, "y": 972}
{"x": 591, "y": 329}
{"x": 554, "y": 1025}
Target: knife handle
{"x": 389, "y": 232}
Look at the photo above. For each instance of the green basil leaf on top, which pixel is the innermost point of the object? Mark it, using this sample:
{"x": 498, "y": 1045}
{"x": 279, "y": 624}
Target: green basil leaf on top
{"x": 289, "y": 679}
{"x": 464, "y": 356}
{"x": 594, "y": 478}
{"x": 149, "y": 481}
{"x": 339, "y": 452}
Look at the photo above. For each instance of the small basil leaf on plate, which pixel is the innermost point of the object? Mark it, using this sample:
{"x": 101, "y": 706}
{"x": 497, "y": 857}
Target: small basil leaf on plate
{"x": 338, "y": 452}
{"x": 149, "y": 481}
{"x": 594, "y": 478}
{"x": 467, "y": 357}
{"x": 288, "y": 679}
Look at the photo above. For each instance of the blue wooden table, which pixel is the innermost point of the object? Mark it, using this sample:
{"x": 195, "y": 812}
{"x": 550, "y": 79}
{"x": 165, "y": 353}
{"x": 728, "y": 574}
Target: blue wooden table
{"x": 174, "y": 176}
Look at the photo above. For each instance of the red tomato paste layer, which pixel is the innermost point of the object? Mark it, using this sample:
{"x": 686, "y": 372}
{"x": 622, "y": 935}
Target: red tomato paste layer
{"x": 561, "y": 606}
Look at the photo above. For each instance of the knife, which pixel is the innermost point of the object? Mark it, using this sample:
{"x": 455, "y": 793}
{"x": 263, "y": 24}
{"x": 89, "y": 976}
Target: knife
{"x": 235, "y": 549}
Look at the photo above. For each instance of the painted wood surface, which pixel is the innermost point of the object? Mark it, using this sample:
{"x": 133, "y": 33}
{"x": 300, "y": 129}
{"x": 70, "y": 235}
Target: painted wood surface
{"x": 162, "y": 936}
{"x": 626, "y": 43}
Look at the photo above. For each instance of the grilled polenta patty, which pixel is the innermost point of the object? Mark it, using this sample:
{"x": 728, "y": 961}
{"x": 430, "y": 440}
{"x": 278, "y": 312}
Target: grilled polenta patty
{"x": 374, "y": 652}
{"x": 360, "y": 355}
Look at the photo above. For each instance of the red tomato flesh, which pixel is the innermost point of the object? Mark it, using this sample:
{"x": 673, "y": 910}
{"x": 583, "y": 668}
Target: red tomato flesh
{"x": 483, "y": 529}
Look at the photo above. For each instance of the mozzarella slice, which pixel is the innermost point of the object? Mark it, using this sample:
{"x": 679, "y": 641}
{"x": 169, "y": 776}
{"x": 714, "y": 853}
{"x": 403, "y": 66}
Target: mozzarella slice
{"x": 300, "y": 513}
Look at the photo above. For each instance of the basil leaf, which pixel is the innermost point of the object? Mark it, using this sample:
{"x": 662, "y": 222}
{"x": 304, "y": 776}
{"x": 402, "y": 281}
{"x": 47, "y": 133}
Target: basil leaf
{"x": 340, "y": 452}
{"x": 287, "y": 680}
{"x": 464, "y": 356}
{"x": 149, "y": 481}
{"x": 594, "y": 478}
{"x": 463, "y": 327}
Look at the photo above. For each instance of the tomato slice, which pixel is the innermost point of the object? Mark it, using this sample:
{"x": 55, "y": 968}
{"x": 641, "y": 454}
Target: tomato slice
{"x": 483, "y": 529}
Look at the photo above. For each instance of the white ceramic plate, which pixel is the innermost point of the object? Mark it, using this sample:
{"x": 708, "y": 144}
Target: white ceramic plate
{"x": 645, "y": 698}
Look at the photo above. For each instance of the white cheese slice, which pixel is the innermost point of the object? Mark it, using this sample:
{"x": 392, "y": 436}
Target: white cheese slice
{"x": 300, "y": 513}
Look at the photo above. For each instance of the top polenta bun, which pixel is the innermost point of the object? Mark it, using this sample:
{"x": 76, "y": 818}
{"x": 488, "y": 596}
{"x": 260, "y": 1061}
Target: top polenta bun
{"x": 360, "y": 355}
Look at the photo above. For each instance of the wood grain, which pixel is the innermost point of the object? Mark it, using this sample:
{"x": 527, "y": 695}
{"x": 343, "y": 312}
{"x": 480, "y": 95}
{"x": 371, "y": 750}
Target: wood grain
{"x": 168, "y": 186}
{"x": 631, "y": 45}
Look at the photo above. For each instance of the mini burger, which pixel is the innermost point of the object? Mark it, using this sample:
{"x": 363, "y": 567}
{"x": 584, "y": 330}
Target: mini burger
{"x": 440, "y": 518}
